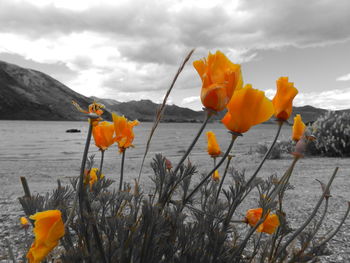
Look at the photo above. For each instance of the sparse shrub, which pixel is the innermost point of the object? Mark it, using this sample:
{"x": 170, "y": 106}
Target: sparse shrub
{"x": 280, "y": 148}
{"x": 332, "y": 132}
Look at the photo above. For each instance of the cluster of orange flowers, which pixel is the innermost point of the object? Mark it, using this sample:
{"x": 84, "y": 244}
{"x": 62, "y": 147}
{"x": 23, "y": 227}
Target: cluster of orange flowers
{"x": 121, "y": 131}
{"x": 222, "y": 87}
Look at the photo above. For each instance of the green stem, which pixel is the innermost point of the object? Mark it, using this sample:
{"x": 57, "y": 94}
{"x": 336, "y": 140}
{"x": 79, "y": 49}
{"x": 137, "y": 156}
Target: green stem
{"x": 234, "y": 137}
{"x": 229, "y": 158}
{"x": 208, "y": 115}
{"x": 122, "y": 171}
{"x": 101, "y": 163}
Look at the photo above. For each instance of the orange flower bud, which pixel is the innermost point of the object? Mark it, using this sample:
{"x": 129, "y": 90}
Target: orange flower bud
{"x": 168, "y": 164}
{"x": 124, "y": 131}
{"x": 216, "y": 176}
{"x": 298, "y": 128}
{"x": 94, "y": 108}
{"x": 247, "y": 107}
{"x": 220, "y": 77}
{"x": 103, "y": 134}
{"x": 48, "y": 229}
{"x": 213, "y": 146}
{"x": 268, "y": 226}
{"x": 24, "y": 222}
{"x": 283, "y": 100}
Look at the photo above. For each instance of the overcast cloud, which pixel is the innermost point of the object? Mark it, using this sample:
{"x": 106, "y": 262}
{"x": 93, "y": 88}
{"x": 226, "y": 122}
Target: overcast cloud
{"x": 131, "y": 49}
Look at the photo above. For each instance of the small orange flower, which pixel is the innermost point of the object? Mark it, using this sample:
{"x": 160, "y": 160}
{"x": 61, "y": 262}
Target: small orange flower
{"x": 24, "y": 222}
{"x": 220, "y": 77}
{"x": 48, "y": 229}
{"x": 298, "y": 128}
{"x": 91, "y": 176}
{"x": 283, "y": 100}
{"x": 268, "y": 226}
{"x": 247, "y": 107}
{"x": 124, "y": 131}
{"x": 103, "y": 134}
{"x": 213, "y": 146}
{"x": 216, "y": 176}
{"x": 95, "y": 108}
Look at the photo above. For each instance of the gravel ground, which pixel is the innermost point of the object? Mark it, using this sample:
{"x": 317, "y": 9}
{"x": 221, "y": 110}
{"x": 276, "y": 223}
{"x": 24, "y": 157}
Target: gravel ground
{"x": 298, "y": 206}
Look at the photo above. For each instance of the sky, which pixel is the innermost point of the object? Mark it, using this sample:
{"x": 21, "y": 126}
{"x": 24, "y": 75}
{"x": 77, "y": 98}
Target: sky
{"x": 131, "y": 49}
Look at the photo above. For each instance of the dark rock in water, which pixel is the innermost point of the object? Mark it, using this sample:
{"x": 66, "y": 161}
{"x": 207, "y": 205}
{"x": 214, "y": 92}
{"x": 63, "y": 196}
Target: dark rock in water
{"x": 72, "y": 130}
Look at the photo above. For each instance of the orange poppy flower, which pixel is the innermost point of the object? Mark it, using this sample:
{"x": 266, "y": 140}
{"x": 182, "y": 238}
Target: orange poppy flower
{"x": 213, "y": 146}
{"x": 216, "y": 176}
{"x": 103, "y": 134}
{"x": 268, "y": 226}
{"x": 283, "y": 100}
{"x": 247, "y": 107}
{"x": 48, "y": 229}
{"x": 298, "y": 128}
{"x": 91, "y": 176}
{"x": 124, "y": 131}
{"x": 220, "y": 77}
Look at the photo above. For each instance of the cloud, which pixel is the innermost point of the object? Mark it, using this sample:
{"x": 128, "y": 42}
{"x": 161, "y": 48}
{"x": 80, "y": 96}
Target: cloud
{"x": 332, "y": 100}
{"x": 131, "y": 49}
{"x": 190, "y": 99}
{"x": 344, "y": 77}
{"x": 58, "y": 70}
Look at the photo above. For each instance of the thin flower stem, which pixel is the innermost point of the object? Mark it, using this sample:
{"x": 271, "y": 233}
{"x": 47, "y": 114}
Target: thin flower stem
{"x": 280, "y": 123}
{"x": 208, "y": 115}
{"x": 79, "y": 192}
{"x": 122, "y": 171}
{"x": 335, "y": 231}
{"x": 160, "y": 111}
{"x": 101, "y": 163}
{"x": 300, "y": 229}
{"x": 95, "y": 231}
{"x": 313, "y": 234}
{"x": 229, "y": 158}
{"x": 234, "y": 137}
{"x": 25, "y": 187}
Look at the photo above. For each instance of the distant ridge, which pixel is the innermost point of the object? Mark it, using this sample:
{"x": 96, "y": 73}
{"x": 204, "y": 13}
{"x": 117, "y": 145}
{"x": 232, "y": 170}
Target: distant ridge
{"x": 27, "y": 94}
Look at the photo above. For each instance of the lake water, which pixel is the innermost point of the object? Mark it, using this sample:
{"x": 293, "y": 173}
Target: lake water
{"x": 42, "y": 150}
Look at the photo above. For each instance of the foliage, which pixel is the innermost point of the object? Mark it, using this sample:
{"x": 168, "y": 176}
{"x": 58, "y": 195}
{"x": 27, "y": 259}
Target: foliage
{"x": 332, "y": 132}
{"x": 159, "y": 227}
{"x": 280, "y": 148}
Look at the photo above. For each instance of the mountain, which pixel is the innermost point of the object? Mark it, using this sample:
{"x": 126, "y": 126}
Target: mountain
{"x": 144, "y": 110}
{"x": 27, "y": 94}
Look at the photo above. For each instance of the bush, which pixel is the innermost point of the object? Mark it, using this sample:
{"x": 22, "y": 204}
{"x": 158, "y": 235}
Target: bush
{"x": 281, "y": 147}
{"x": 332, "y": 132}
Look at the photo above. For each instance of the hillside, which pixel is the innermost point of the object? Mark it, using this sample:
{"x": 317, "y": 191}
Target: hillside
{"x": 27, "y": 94}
